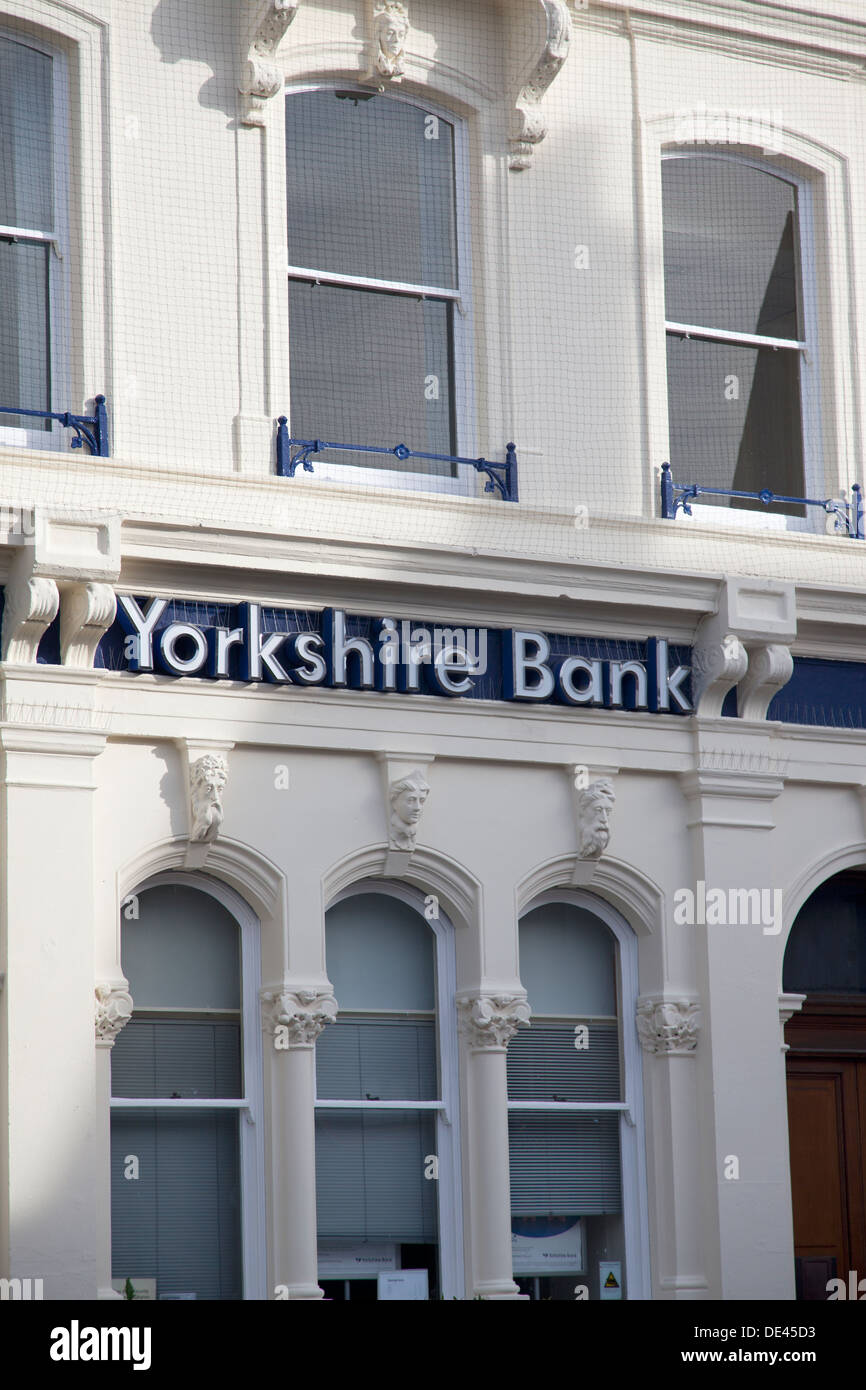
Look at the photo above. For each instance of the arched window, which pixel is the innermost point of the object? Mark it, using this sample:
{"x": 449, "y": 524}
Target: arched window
{"x": 574, "y": 1103}
{"x": 378, "y": 282}
{"x": 740, "y": 328}
{"x": 185, "y": 1156}
{"x": 386, "y": 1141}
{"x": 33, "y": 133}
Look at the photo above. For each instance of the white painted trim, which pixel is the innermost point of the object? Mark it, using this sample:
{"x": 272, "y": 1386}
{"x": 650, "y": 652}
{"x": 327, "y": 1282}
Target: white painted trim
{"x": 449, "y": 1188}
{"x": 724, "y": 335}
{"x": 366, "y": 282}
{"x": 58, "y": 241}
{"x": 467, "y": 481}
{"x": 251, "y": 1135}
{"x": 631, "y": 1129}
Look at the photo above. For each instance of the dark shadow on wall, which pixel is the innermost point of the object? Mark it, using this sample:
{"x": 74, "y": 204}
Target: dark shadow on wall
{"x": 202, "y": 31}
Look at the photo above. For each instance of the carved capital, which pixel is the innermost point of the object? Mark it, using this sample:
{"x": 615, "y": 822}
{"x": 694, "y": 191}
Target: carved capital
{"x": 86, "y": 612}
{"x": 489, "y": 1021}
{"x": 113, "y": 1010}
{"x": 31, "y": 606}
{"x": 263, "y": 27}
{"x": 389, "y": 26}
{"x": 528, "y": 127}
{"x": 770, "y": 667}
{"x": 302, "y": 1014}
{"x": 717, "y": 665}
{"x": 668, "y": 1027}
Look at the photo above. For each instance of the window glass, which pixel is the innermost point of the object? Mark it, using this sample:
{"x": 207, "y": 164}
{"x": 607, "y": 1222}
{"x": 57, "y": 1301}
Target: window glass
{"x": 26, "y": 138}
{"x": 182, "y": 951}
{"x": 379, "y": 954}
{"x": 826, "y": 951}
{"x": 370, "y": 193}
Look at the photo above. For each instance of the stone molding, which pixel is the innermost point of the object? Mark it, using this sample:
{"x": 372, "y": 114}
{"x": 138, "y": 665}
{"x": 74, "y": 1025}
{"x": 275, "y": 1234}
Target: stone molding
{"x": 489, "y": 1021}
{"x": 789, "y": 1004}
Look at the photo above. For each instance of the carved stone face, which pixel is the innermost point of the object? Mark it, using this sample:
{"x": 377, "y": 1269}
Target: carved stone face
{"x": 408, "y": 805}
{"x": 596, "y": 805}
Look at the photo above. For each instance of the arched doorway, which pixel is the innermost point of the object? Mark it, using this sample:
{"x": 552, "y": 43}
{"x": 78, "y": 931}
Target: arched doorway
{"x": 825, "y": 959}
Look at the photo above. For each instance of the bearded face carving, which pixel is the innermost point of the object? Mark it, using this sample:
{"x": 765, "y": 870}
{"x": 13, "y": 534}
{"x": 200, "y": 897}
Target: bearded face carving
{"x": 208, "y": 776}
{"x": 594, "y": 806}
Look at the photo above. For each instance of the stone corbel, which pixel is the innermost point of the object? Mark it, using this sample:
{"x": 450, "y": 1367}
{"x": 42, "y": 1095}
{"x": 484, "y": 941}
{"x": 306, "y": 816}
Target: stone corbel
{"x": 770, "y": 668}
{"x": 112, "y": 1011}
{"x": 205, "y": 773}
{"x": 263, "y": 25}
{"x": 86, "y": 613}
{"x": 719, "y": 661}
{"x": 490, "y": 1021}
{"x": 301, "y": 1014}
{"x": 528, "y": 128}
{"x": 668, "y": 1026}
{"x": 745, "y": 644}
{"x": 32, "y": 603}
{"x": 405, "y": 788}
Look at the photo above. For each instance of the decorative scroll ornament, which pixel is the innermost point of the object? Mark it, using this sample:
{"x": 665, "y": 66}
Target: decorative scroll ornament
{"x": 302, "y": 1013}
{"x": 407, "y": 797}
{"x": 528, "y": 123}
{"x": 207, "y": 778}
{"x": 87, "y": 611}
{"x": 594, "y": 808}
{"x": 112, "y": 1012}
{"x": 390, "y": 27}
{"x": 491, "y": 1021}
{"x": 770, "y": 668}
{"x": 264, "y": 26}
{"x": 717, "y": 665}
{"x": 668, "y": 1026}
{"x": 31, "y": 606}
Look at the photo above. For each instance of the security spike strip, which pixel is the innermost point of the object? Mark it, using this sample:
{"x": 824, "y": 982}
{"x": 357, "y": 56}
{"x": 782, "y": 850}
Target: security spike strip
{"x": 501, "y": 477}
{"x": 681, "y": 495}
{"x": 91, "y": 430}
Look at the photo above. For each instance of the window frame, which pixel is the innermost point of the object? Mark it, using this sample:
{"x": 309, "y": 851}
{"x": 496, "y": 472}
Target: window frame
{"x": 58, "y": 242}
{"x": 462, "y": 337}
{"x": 250, "y": 1106}
{"x": 814, "y": 482}
{"x": 447, "y": 1107}
{"x": 635, "y": 1210}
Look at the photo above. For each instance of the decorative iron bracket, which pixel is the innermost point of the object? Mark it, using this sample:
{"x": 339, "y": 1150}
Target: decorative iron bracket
{"x": 849, "y": 515}
{"x": 501, "y": 477}
{"x": 91, "y": 430}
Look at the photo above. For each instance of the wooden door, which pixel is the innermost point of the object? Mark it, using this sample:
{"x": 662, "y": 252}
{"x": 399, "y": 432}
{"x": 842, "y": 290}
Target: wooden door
{"x": 826, "y": 1070}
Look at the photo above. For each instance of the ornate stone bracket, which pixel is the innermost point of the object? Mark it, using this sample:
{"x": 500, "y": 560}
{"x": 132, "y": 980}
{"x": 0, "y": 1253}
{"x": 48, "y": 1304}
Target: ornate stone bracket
{"x": 770, "y": 668}
{"x": 745, "y": 644}
{"x": 528, "y": 126}
{"x": 717, "y": 665}
{"x": 491, "y": 1020}
{"x": 301, "y": 1013}
{"x": 32, "y": 603}
{"x": 263, "y": 25}
{"x": 113, "y": 1010}
{"x": 668, "y": 1027}
{"x": 87, "y": 613}
{"x": 789, "y": 1004}
{"x": 389, "y": 29}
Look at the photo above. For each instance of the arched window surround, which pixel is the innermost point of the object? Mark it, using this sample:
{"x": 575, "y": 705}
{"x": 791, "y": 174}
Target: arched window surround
{"x": 632, "y": 1129}
{"x": 448, "y": 1186}
{"x": 250, "y": 1107}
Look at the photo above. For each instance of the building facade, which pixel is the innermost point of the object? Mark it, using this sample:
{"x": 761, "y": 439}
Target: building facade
{"x": 432, "y": 664}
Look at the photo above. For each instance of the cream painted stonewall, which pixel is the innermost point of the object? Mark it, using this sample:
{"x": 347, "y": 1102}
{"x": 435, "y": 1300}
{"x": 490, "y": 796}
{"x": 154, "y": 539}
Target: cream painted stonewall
{"x": 468, "y": 810}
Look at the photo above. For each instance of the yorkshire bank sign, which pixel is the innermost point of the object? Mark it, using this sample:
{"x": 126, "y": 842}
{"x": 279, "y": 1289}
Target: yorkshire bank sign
{"x": 304, "y": 649}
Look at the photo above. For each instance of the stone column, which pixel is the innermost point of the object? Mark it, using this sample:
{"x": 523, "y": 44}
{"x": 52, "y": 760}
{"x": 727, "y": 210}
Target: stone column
{"x": 487, "y": 1023}
{"x": 112, "y": 1011}
{"x": 292, "y": 1022}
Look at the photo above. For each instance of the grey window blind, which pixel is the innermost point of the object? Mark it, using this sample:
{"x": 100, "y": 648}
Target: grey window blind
{"x": 564, "y": 1164}
{"x": 370, "y": 1182}
{"x": 382, "y": 1059}
{"x": 543, "y": 1063}
{"x": 179, "y": 1222}
{"x": 177, "y": 1057}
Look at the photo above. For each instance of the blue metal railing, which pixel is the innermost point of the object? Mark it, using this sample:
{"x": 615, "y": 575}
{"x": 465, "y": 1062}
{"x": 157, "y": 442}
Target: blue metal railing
{"x": 501, "y": 477}
{"x": 677, "y": 495}
{"x": 91, "y": 430}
